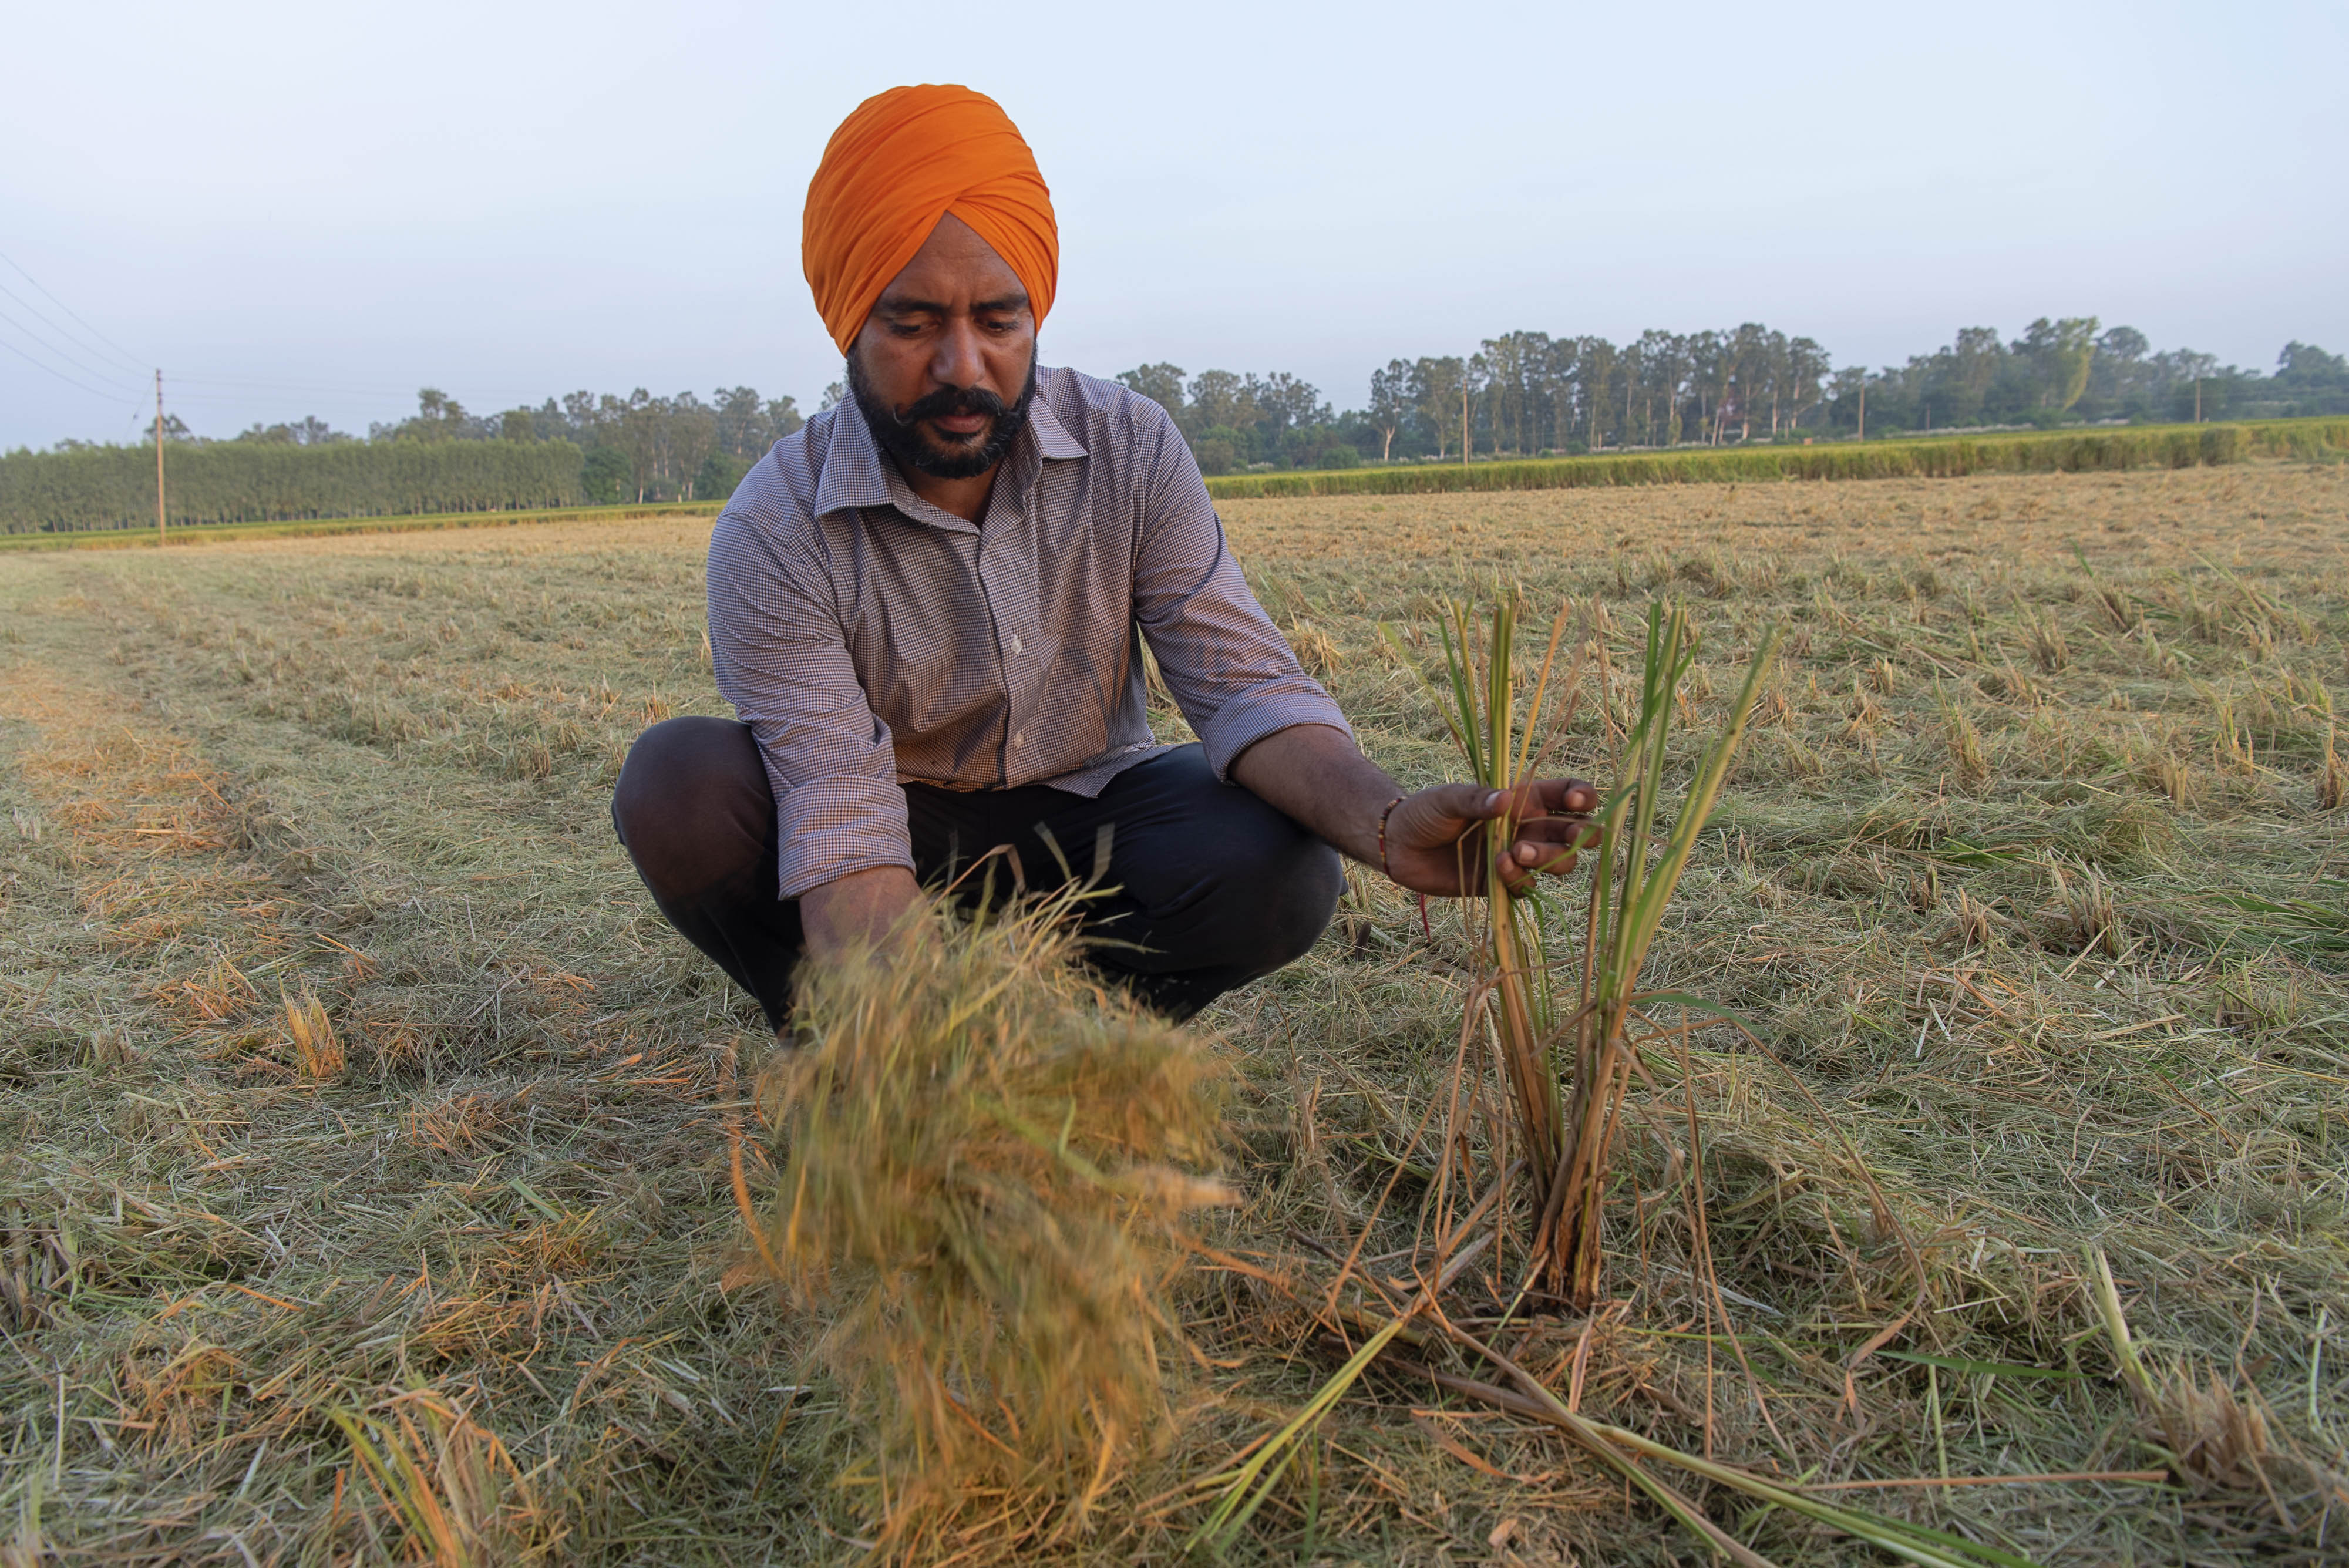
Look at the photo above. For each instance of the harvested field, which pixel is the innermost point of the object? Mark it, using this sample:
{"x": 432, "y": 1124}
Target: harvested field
{"x": 365, "y": 1138}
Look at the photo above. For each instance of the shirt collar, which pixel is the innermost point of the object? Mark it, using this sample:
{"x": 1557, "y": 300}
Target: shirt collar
{"x": 1053, "y": 441}
{"x": 856, "y": 476}
{"x": 853, "y": 474}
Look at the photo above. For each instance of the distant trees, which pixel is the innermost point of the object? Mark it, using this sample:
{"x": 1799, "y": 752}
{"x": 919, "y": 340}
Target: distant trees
{"x": 1233, "y": 420}
{"x": 2313, "y": 381}
{"x": 2072, "y": 370}
{"x": 264, "y": 480}
{"x": 1437, "y": 387}
{"x": 309, "y": 432}
{"x": 638, "y": 448}
{"x": 442, "y": 458}
{"x": 1521, "y": 393}
{"x": 1161, "y": 383}
{"x": 1391, "y": 403}
{"x": 1528, "y": 392}
{"x": 647, "y": 448}
{"x": 438, "y": 417}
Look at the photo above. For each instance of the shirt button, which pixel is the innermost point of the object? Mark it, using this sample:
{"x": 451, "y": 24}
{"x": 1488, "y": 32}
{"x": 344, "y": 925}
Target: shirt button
{"x": 1021, "y": 739}
{"x": 1017, "y": 646}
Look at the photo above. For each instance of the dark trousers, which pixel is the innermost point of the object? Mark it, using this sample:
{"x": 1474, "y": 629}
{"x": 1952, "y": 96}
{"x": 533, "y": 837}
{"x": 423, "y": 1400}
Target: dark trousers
{"x": 1211, "y": 886}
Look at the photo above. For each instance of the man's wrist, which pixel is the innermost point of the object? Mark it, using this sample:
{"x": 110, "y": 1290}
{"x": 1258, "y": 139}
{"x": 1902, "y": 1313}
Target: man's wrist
{"x": 862, "y": 908}
{"x": 1386, "y": 867}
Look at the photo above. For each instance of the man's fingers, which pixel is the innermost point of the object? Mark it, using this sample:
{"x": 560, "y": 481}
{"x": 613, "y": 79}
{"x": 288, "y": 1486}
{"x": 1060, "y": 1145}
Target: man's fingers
{"x": 1522, "y": 879}
{"x": 1555, "y": 858}
{"x": 1559, "y": 829}
{"x": 1537, "y": 801}
{"x": 1560, "y": 795}
{"x": 1463, "y": 803}
{"x": 1560, "y": 832}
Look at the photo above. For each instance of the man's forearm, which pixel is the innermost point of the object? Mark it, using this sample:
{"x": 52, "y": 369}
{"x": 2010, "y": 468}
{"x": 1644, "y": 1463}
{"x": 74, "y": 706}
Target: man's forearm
{"x": 860, "y": 910}
{"x": 1317, "y": 775}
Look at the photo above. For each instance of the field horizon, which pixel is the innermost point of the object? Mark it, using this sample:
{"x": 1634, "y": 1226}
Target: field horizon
{"x": 1936, "y": 456}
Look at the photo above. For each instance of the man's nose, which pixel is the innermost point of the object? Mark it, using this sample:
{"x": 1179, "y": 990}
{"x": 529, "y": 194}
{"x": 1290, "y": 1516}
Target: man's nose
{"x": 958, "y": 361}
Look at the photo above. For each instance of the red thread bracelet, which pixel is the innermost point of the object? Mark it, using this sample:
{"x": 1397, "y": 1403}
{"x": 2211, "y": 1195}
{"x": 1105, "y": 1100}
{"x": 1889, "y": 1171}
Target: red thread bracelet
{"x": 1383, "y": 866}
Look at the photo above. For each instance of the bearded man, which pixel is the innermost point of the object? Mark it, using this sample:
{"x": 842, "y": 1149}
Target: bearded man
{"x": 929, "y": 606}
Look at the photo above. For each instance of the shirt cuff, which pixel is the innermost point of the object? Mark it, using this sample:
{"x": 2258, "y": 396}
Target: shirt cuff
{"x": 1263, "y": 710}
{"x": 832, "y": 827}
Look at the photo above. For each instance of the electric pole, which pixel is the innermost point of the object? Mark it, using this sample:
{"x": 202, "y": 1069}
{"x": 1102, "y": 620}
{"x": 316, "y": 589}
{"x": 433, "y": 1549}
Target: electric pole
{"x": 1467, "y": 452}
{"x": 159, "y": 457}
{"x": 1863, "y": 405}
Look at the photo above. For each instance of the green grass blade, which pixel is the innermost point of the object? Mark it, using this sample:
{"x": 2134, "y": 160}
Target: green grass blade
{"x": 1918, "y": 1543}
{"x": 1246, "y": 1488}
{"x": 1991, "y": 1368}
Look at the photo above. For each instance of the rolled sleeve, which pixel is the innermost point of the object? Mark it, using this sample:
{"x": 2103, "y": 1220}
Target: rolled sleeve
{"x": 781, "y": 659}
{"x": 1228, "y": 667}
{"x": 1261, "y": 710}
{"x": 831, "y": 827}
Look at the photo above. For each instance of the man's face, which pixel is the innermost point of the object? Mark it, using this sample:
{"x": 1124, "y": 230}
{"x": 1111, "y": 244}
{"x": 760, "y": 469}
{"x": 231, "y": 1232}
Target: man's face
{"x": 945, "y": 365}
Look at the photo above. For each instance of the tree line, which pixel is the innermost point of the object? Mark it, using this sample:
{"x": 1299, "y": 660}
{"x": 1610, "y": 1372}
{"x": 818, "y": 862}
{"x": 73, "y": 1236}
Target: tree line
{"x": 639, "y": 448}
{"x": 1524, "y": 394}
{"x": 1521, "y": 394}
{"x": 580, "y": 449}
{"x": 86, "y": 487}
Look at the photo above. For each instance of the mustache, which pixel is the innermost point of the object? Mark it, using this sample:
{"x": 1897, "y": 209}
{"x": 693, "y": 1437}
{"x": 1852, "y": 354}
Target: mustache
{"x": 948, "y": 401}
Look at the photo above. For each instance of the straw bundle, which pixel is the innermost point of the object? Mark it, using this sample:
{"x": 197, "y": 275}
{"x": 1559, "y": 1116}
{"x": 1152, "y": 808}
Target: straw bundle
{"x": 989, "y": 1159}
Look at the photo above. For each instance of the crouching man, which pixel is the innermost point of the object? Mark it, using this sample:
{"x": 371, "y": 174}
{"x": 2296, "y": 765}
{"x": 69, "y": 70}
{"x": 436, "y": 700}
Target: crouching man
{"x": 928, "y": 608}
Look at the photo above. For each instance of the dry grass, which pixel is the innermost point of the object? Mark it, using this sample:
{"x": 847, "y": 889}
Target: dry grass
{"x": 2076, "y": 984}
{"x": 988, "y": 1157}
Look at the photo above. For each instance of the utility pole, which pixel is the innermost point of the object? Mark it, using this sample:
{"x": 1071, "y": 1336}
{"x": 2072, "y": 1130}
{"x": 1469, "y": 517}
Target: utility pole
{"x": 2198, "y": 399}
{"x": 1467, "y": 452}
{"x": 159, "y": 457}
{"x": 1863, "y": 406}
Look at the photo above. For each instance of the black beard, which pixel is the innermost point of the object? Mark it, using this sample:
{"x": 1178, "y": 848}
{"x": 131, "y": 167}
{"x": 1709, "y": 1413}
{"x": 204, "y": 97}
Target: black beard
{"x": 903, "y": 437}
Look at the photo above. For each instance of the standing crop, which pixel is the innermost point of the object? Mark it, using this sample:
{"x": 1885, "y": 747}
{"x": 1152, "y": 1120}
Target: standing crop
{"x": 1568, "y": 1069}
{"x": 1567, "y": 1074}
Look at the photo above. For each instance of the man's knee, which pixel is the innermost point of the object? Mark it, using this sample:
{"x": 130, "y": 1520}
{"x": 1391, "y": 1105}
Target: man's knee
{"x": 1275, "y": 884}
{"x": 692, "y": 802}
{"x": 1299, "y": 888}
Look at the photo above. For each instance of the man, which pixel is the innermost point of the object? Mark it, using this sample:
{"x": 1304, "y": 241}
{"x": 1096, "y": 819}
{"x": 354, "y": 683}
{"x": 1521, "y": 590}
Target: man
{"x": 928, "y": 606}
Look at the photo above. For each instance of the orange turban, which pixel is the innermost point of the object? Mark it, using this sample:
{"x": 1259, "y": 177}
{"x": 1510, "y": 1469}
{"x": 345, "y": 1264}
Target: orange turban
{"x": 904, "y": 159}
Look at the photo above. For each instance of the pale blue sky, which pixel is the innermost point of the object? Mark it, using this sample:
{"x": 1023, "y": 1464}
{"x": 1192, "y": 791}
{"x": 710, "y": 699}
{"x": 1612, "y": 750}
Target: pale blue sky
{"x": 298, "y": 209}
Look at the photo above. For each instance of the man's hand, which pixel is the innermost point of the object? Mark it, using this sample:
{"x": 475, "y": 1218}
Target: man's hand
{"x": 1315, "y": 774}
{"x": 1432, "y": 845}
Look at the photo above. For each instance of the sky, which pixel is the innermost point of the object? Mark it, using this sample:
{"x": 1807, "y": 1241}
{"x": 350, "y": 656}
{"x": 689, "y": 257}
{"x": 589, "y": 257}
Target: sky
{"x": 317, "y": 210}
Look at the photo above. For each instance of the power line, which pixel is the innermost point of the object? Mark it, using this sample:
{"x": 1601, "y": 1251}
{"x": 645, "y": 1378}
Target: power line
{"x": 50, "y": 322}
{"x": 245, "y": 391}
{"x": 115, "y": 396}
{"x": 96, "y": 372}
{"x": 306, "y": 387}
{"x": 129, "y": 360}
{"x": 185, "y": 397}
